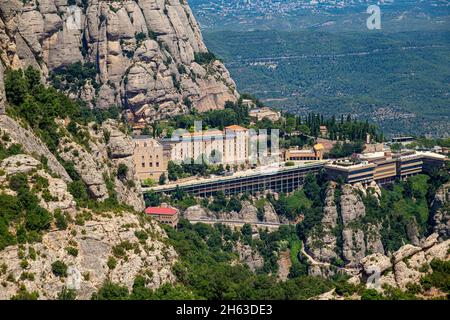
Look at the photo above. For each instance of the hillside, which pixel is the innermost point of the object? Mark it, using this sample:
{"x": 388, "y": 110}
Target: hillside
{"x": 397, "y": 80}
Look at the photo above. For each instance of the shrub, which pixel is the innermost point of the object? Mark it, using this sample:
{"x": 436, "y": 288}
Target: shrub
{"x": 122, "y": 171}
{"x": 203, "y": 58}
{"x": 18, "y": 182}
{"x": 67, "y": 294}
{"x": 72, "y": 251}
{"x": 60, "y": 220}
{"x": 111, "y": 291}
{"x": 112, "y": 263}
{"x": 59, "y": 268}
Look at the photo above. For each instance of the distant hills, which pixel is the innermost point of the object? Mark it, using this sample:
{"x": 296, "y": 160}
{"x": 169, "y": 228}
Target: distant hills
{"x": 326, "y": 15}
{"x": 321, "y": 57}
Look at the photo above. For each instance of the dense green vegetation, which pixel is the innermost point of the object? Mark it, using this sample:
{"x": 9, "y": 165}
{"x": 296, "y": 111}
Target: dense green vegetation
{"x": 204, "y": 270}
{"x": 204, "y": 57}
{"x": 401, "y": 205}
{"x": 21, "y": 213}
{"x": 39, "y": 106}
{"x": 73, "y": 77}
{"x": 399, "y": 80}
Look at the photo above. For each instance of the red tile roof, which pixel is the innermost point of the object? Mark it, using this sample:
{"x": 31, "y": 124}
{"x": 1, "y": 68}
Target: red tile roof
{"x": 236, "y": 128}
{"x": 160, "y": 211}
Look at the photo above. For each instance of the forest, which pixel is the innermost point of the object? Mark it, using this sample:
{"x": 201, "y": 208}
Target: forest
{"x": 398, "y": 80}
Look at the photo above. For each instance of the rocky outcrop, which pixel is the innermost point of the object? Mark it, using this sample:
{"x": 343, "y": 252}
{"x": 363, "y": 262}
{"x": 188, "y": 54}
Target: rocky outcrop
{"x": 2, "y": 91}
{"x": 407, "y": 265}
{"x": 144, "y": 52}
{"x": 352, "y": 207}
{"x": 60, "y": 198}
{"x": 341, "y": 238}
{"x": 249, "y": 256}
{"x": 441, "y": 212}
{"x": 196, "y": 213}
{"x": 95, "y": 243}
{"x": 32, "y": 145}
{"x": 321, "y": 244}
{"x": 270, "y": 214}
{"x": 358, "y": 239}
{"x": 20, "y": 163}
{"x": 248, "y": 213}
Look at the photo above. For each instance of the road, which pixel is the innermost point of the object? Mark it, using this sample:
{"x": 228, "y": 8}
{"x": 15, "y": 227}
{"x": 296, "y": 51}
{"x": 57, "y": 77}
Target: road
{"x": 239, "y": 223}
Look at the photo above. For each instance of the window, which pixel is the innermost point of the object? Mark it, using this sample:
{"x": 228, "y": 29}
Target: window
{"x": 157, "y": 164}
{"x": 151, "y": 164}
{"x": 143, "y": 165}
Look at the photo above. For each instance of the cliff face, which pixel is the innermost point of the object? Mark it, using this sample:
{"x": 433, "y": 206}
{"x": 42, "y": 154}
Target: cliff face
{"x": 2, "y": 91}
{"x": 441, "y": 212}
{"x": 94, "y": 247}
{"x": 143, "y": 52}
{"x": 341, "y": 240}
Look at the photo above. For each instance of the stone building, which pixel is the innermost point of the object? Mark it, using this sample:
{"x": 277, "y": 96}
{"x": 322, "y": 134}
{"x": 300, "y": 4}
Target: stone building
{"x": 164, "y": 215}
{"x": 149, "y": 159}
{"x": 230, "y": 146}
{"x": 314, "y": 153}
{"x": 261, "y": 113}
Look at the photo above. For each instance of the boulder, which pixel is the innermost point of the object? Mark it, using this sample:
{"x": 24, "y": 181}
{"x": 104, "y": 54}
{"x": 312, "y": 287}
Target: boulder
{"x": 20, "y": 163}
{"x": 196, "y": 213}
{"x": 376, "y": 261}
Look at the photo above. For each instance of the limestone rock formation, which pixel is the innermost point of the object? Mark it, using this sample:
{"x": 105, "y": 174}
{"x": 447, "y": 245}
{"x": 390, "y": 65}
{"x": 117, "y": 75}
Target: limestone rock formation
{"x": 270, "y": 214}
{"x": 326, "y": 250}
{"x": 341, "y": 239}
{"x": 249, "y": 256}
{"x": 145, "y": 52}
{"x": 2, "y": 91}
{"x": 406, "y": 265}
{"x": 95, "y": 243}
{"x": 441, "y": 212}
{"x": 109, "y": 149}
{"x": 20, "y": 163}
{"x": 196, "y": 213}
{"x": 32, "y": 145}
{"x": 248, "y": 212}
{"x": 352, "y": 207}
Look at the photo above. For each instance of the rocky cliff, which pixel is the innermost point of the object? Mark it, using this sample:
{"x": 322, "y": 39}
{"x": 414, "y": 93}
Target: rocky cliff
{"x": 248, "y": 214}
{"x": 90, "y": 247}
{"x": 406, "y": 265}
{"x": 441, "y": 212}
{"x": 95, "y": 243}
{"x": 341, "y": 240}
{"x": 145, "y": 54}
{"x": 2, "y": 91}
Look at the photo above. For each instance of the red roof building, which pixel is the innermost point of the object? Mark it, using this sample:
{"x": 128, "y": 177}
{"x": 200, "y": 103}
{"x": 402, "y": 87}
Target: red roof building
{"x": 164, "y": 215}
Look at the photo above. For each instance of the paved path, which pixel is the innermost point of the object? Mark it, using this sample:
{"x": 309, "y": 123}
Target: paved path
{"x": 270, "y": 225}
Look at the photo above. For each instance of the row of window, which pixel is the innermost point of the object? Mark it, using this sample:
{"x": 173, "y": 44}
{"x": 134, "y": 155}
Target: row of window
{"x": 150, "y": 164}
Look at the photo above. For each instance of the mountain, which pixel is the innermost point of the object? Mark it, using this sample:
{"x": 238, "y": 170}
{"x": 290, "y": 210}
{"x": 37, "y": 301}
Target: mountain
{"x": 147, "y": 56}
{"x": 323, "y": 15}
{"x": 397, "y": 80}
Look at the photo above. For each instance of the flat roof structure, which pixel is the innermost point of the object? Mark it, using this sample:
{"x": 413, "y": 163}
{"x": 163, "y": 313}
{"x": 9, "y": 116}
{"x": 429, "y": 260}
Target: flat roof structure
{"x": 282, "y": 179}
